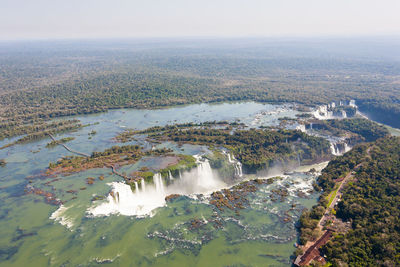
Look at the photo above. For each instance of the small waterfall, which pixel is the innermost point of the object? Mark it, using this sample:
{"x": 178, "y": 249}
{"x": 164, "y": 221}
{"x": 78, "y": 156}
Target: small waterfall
{"x": 237, "y": 165}
{"x": 136, "y": 188}
{"x": 344, "y": 114}
{"x": 180, "y": 174}
{"x": 352, "y": 103}
{"x": 230, "y": 158}
{"x": 301, "y": 127}
{"x": 311, "y": 126}
{"x": 240, "y": 169}
{"x": 298, "y": 159}
{"x": 170, "y": 177}
{"x": 143, "y": 185}
{"x": 334, "y": 149}
{"x": 347, "y": 148}
{"x": 157, "y": 179}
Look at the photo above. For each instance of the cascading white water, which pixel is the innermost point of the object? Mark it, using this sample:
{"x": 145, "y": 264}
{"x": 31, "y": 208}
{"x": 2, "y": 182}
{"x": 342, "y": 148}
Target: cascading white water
{"x": 157, "y": 178}
{"x": 137, "y": 188}
{"x": 344, "y": 114}
{"x": 143, "y": 185}
{"x": 129, "y": 203}
{"x": 170, "y": 177}
{"x": 200, "y": 180}
{"x": 237, "y": 165}
{"x": 301, "y": 127}
{"x": 334, "y": 149}
{"x": 347, "y": 148}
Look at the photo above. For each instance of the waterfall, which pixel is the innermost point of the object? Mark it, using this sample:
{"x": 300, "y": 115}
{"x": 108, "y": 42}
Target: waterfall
{"x": 143, "y": 186}
{"x": 301, "y": 127}
{"x": 344, "y": 114}
{"x": 136, "y": 188}
{"x": 347, "y": 148}
{"x": 298, "y": 159}
{"x": 205, "y": 176}
{"x": 131, "y": 202}
{"x": 352, "y": 103}
{"x": 230, "y": 158}
{"x": 180, "y": 174}
{"x": 240, "y": 170}
{"x": 311, "y": 126}
{"x": 237, "y": 165}
{"x": 170, "y": 177}
{"x": 334, "y": 149}
{"x": 323, "y": 113}
{"x": 157, "y": 179}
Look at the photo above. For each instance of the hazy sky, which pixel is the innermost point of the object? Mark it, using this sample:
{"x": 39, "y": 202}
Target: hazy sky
{"x": 28, "y": 19}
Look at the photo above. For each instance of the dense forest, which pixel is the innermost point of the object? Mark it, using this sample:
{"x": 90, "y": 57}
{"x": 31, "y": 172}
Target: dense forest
{"x": 372, "y": 205}
{"x": 256, "y": 149}
{"x": 42, "y": 81}
{"x": 368, "y": 130}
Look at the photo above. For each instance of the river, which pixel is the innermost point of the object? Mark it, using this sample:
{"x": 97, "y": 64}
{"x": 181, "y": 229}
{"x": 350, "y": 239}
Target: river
{"x": 87, "y": 233}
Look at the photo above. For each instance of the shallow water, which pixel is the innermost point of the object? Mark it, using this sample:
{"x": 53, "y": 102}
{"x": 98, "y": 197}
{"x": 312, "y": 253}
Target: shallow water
{"x": 35, "y": 233}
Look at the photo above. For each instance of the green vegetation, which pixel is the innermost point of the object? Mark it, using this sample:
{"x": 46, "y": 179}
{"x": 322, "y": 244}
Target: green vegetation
{"x": 255, "y": 148}
{"x": 38, "y": 85}
{"x": 337, "y": 168}
{"x": 372, "y": 205}
{"x": 368, "y": 130}
{"x": 61, "y": 141}
{"x": 114, "y": 155}
{"x": 38, "y": 131}
{"x": 186, "y": 162}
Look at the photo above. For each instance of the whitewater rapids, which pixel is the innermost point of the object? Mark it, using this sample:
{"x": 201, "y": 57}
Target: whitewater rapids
{"x": 148, "y": 197}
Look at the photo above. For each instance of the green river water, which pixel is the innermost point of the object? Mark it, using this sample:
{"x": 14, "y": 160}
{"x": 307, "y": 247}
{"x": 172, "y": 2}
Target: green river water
{"x": 34, "y": 233}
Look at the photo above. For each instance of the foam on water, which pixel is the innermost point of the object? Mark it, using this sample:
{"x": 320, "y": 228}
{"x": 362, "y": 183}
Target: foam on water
{"x": 59, "y": 216}
{"x": 200, "y": 180}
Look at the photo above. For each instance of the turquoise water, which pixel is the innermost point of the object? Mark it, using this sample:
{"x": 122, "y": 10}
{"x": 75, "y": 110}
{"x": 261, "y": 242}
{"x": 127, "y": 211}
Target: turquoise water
{"x": 35, "y": 233}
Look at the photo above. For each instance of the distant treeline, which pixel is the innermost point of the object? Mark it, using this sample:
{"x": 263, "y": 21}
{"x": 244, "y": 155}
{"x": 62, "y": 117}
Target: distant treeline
{"x": 39, "y": 87}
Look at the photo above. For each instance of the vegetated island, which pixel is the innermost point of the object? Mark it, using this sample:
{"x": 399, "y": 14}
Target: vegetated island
{"x": 60, "y": 141}
{"x": 37, "y": 131}
{"x": 256, "y": 149}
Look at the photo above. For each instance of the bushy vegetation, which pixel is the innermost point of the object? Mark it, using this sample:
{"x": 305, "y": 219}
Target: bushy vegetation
{"x": 372, "y": 205}
{"x": 255, "y": 148}
{"x": 337, "y": 168}
{"x": 368, "y": 130}
{"x": 61, "y": 141}
{"x": 37, "y": 84}
{"x": 36, "y": 132}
